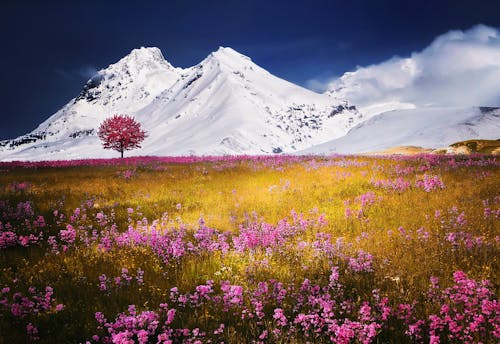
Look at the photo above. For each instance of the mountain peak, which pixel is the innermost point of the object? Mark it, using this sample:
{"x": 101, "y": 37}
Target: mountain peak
{"x": 131, "y": 82}
{"x": 143, "y": 58}
{"x": 139, "y": 61}
{"x": 146, "y": 53}
{"x": 228, "y": 51}
{"x": 228, "y": 59}
{"x": 226, "y": 54}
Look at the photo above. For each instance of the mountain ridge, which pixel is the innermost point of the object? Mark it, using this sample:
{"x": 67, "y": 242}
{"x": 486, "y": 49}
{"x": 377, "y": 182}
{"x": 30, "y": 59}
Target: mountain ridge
{"x": 226, "y": 104}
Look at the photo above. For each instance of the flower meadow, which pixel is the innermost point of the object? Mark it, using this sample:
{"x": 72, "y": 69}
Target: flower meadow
{"x": 280, "y": 249}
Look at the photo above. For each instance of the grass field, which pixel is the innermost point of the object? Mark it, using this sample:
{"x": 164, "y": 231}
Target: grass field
{"x": 251, "y": 250}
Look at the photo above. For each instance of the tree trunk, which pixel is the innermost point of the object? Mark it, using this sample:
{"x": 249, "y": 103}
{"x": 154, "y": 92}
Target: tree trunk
{"x": 121, "y": 152}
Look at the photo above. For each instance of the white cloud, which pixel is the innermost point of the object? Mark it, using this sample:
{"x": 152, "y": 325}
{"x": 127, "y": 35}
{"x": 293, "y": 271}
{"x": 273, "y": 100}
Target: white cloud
{"x": 317, "y": 84}
{"x": 87, "y": 71}
{"x": 459, "y": 68}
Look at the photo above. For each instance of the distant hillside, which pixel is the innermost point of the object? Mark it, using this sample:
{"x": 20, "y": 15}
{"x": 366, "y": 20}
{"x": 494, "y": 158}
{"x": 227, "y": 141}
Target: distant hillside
{"x": 427, "y": 127}
{"x": 461, "y": 147}
{"x": 477, "y": 146}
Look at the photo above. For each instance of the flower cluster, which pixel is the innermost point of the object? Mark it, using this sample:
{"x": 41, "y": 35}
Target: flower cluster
{"x": 430, "y": 183}
{"x": 26, "y": 307}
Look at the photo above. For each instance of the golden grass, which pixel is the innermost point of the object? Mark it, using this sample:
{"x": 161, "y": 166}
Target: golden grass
{"x": 227, "y": 197}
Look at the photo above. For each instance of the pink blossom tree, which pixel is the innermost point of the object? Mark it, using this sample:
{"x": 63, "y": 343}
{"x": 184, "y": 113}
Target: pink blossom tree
{"x": 121, "y": 133}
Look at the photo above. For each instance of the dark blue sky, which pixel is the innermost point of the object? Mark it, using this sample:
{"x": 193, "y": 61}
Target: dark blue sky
{"x": 50, "y": 48}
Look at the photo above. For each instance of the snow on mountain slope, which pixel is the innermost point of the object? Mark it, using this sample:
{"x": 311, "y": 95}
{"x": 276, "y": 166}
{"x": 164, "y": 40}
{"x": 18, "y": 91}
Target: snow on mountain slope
{"x": 126, "y": 86}
{"x": 224, "y": 105}
{"x": 424, "y": 127}
{"x": 229, "y": 105}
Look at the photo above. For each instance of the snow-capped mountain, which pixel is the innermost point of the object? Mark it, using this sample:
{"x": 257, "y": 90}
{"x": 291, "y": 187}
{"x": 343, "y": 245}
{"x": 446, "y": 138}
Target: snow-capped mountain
{"x": 227, "y": 104}
{"x": 433, "y": 127}
{"x": 126, "y": 86}
{"x": 224, "y": 105}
